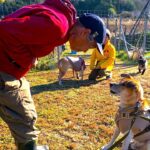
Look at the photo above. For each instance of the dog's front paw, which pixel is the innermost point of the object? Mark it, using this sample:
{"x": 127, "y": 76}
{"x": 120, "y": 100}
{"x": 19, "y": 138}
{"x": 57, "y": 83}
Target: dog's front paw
{"x": 106, "y": 147}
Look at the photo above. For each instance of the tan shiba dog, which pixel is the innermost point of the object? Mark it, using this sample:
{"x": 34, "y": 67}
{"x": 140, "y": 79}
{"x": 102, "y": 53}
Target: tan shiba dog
{"x": 132, "y": 105}
{"x": 77, "y": 64}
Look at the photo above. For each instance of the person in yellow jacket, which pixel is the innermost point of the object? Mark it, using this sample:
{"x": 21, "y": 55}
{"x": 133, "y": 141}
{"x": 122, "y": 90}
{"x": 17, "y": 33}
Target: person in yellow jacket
{"x": 102, "y": 64}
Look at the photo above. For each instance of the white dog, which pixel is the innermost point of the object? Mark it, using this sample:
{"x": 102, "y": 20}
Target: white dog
{"x": 77, "y": 64}
{"x": 131, "y": 92}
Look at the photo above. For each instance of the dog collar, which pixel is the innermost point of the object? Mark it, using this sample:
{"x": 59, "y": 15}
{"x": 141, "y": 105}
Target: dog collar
{"x": 128, "y": 112}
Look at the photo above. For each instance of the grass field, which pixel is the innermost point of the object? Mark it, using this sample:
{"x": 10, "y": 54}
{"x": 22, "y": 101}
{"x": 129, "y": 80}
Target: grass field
{"x": 78, "y": 115}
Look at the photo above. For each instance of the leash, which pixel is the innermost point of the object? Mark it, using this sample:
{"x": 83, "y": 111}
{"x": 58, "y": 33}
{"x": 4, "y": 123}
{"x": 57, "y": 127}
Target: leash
{"x": 147, "y": 129}
{"x": 132, "y": 122}
{"x": 147, "y": 119}
{"x": 121, "y": 139}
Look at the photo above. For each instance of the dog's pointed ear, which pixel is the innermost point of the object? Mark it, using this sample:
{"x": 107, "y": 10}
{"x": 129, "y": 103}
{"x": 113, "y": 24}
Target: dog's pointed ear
{"x": 126, "y": 76}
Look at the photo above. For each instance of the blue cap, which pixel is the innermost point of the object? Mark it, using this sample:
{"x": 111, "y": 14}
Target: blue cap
{"x": 97, "y": 27}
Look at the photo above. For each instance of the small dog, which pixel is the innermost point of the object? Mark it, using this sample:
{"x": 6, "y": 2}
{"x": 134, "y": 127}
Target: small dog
{"x": 131, "y": 94}
{"x": 77, "y": 64}
{"x": 142, "y": 64}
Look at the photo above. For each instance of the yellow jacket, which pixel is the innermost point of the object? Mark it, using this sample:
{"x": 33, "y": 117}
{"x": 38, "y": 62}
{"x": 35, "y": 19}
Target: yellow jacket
{"x": 105, "y": 61}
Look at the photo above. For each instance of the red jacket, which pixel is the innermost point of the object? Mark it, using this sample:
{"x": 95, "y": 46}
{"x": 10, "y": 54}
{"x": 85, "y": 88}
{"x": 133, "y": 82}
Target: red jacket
{"x": 33, "y": 31}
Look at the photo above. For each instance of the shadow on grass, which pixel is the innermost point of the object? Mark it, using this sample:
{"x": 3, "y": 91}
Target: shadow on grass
{"x": 125, "y": 66}
{"x": 66, "y": 84}
{"x": 131, "y": 74}
{"x": 134, "y": 73}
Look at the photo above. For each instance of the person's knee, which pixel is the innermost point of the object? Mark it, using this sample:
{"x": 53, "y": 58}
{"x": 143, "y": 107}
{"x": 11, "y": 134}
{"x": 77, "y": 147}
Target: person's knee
{"x": 101, "y": 73}
{"x": 92, "y": 78}
{"x": 93, "y": 75}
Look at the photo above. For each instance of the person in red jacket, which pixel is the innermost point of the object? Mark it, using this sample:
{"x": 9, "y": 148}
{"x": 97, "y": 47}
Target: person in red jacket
{"x": 25, "y": 35}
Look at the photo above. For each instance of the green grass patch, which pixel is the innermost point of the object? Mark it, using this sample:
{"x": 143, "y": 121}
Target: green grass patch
{"x": 122, "y": 55}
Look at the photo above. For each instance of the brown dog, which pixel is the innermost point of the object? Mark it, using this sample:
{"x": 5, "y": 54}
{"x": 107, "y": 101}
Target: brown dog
{"x": 77, "y": 64}
{"x": 131, "y": 103}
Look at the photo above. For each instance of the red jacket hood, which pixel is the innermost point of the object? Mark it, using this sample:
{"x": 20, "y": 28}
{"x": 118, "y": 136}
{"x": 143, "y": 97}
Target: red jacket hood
{"x": 66, "y": 7}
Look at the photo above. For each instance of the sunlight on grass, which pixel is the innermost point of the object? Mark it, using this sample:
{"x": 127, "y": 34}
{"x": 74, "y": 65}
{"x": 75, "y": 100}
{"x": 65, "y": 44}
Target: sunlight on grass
{"x": 78, "y": 115}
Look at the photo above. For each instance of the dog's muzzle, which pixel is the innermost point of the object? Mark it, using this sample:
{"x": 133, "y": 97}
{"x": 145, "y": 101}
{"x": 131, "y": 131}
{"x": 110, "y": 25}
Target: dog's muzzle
{"x": 114, "y": 88}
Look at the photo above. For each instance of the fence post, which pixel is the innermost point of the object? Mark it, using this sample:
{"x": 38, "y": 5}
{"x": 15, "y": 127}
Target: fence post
{"x": 59, "y": 50}
{"x": 125, "y": 42}
{"x": 107, "y": 24}
{"x": 116, "y": 29}
{"x": 120, "y": 35}
{"x": 145, "y": 31}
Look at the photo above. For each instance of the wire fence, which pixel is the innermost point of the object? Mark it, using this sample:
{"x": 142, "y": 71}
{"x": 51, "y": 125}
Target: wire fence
{"x": 139, "y": 39}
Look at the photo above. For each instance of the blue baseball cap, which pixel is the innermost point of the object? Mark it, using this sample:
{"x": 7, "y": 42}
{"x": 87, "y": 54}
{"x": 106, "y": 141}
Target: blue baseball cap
{"x": 97, "y": 27}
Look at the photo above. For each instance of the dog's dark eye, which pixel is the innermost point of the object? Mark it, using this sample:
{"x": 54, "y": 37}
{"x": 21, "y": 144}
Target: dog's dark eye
{"x": 122, "y": 84}
{"x": 128, "y": 85}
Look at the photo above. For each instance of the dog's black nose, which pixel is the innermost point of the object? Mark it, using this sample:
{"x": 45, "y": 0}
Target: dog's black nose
{"x": 111, "y": 84}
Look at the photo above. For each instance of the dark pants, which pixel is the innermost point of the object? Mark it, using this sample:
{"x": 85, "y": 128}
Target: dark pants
{"x": 98, "y": 73}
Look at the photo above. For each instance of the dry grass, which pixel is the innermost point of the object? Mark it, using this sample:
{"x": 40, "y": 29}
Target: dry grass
{"x": 76, "y": 116}
{"x": 127, "y": 25}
